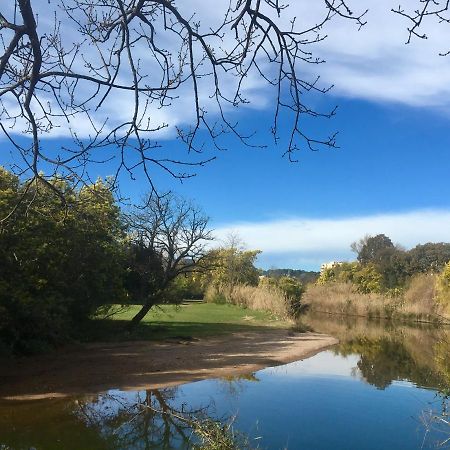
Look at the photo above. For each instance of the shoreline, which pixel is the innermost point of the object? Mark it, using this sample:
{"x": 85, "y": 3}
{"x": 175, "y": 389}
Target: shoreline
{"x": 417, "y": 320}
{"x": 139, "y": 365}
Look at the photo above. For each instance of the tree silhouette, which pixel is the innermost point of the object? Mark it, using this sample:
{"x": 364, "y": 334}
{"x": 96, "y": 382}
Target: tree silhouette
{"x": 106, "y": 72}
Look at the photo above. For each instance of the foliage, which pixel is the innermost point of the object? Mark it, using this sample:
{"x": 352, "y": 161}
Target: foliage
{"x": 367, "y": 279}
{"x": 369, "y": 248}
{"x": 291, "y": 288}
{"x": 394, "y": 266}
{"x": 443, "y": 287}
{"x": 326, "y": 276}
{"x": 232, "y": 266}
{"x": 60, "y": 261}
{"x": 189, "y": 286}
{"x": 430, "y": 257}
{"x": 144, "y": 272}
{"x": 301, "y": 275}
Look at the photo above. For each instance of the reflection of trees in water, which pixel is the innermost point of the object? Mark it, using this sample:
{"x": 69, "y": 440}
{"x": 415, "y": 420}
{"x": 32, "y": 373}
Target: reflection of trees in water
{"x": 390, "y": 352}
{"x": 145, "y": 420}
{"x": 157, "y": 419}
{"x": 384, "y": 360}
{"x": 235, "y": 385}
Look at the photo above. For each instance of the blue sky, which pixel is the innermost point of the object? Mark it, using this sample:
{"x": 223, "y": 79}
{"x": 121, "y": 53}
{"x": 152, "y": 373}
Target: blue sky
{"x": 393, "y": 162}
{"x": 390, "y": 174}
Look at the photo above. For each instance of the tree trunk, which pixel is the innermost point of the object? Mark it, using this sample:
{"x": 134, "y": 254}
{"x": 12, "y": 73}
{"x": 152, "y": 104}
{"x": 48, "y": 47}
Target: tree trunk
{"x": 142, "y": 312}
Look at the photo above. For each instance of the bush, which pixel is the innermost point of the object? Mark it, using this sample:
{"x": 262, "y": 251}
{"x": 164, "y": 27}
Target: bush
{"x": 59, "y": 262}
{"x": 292, "y": 290}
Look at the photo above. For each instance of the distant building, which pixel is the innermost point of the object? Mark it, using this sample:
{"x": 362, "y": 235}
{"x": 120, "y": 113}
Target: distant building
{"x": 330, "y": 265}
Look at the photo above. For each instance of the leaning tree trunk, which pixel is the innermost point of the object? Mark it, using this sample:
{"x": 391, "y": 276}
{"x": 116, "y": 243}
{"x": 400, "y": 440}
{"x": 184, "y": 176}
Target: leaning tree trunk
{"x": 148, "y": 305}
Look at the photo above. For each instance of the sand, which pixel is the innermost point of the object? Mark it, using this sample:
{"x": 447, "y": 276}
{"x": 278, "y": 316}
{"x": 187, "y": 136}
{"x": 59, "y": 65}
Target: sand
{"x": 139, "y": 365}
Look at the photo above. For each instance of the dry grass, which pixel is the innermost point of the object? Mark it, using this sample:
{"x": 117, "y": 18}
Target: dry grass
{"x": 417, "y": 303}
{"x": 342, "y": 298}
{"x": 420, "y": 297}
{"x": 261, "y": 298}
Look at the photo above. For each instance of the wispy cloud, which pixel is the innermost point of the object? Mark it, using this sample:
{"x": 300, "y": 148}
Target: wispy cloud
{"x": 306, "y": 243}
{"x": 373, "y": 63}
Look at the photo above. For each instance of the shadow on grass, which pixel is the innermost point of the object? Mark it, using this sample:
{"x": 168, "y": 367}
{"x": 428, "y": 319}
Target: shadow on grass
{"x": 115, "y": 330}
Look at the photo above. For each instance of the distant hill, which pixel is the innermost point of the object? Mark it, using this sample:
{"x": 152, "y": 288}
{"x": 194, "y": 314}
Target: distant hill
{"x": 302, "y": 275}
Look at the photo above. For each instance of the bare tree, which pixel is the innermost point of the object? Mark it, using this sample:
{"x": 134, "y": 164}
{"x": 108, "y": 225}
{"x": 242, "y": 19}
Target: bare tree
{"x": 426, "y": 10}
{"x": 106, "y": 70}
{"x": 177, "y": 232}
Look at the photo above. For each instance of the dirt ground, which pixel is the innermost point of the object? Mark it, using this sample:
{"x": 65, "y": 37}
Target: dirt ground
{"x": 93, "y": 368}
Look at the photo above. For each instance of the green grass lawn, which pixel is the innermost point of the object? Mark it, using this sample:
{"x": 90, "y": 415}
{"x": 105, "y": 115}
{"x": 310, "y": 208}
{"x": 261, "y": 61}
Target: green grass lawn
{"x": 188, "y": 320}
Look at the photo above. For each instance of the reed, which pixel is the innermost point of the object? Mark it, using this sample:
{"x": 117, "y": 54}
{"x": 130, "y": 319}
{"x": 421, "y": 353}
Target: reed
{"x": 259, "y": 298}
{"x": 418, "y": 302}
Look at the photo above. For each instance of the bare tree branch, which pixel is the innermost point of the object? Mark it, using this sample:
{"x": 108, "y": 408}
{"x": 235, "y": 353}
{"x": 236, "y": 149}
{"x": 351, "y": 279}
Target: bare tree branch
{"x": 62, "y": 75}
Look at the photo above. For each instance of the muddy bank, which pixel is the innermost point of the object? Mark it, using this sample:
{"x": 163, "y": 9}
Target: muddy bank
{"x": 139, "y": 365}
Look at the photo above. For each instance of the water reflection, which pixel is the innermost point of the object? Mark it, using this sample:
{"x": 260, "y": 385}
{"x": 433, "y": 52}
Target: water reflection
{"x": 383, "y": 386}
{"x": 151, "y": 419}
{"x": 389, "y": 352}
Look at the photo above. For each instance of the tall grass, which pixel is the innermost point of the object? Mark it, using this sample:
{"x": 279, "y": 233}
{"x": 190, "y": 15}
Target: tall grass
{"x": 418, "y": 302}
{"x": 259, "y": 298}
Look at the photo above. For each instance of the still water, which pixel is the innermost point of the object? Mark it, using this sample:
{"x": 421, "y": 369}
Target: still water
{"x": 382, "y": 387}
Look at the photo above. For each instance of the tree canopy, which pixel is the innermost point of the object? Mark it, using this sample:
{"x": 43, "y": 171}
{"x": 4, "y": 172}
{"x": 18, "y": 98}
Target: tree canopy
{"x": 369, "y": 249}
{"x": 59, "y": 263}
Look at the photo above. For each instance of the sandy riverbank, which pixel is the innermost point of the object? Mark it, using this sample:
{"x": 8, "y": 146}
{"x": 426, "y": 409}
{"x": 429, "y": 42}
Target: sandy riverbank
{"x": 93, "y": 368}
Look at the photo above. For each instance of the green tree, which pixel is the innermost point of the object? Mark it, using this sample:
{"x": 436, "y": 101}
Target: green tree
{"x": 293, "y": 289}
{"x": 232, "y": 266}
{"x": 369, "y": 248}
{"x": 443, "y": 288}
{"x": 394, "y": 266}
{"x": 430, "y": 257}
{"x": 60, "y": 261}
{"x": 367, "y": 279}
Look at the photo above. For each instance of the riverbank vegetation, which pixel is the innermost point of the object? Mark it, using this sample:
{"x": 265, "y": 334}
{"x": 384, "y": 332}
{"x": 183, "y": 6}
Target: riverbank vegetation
{"x": 68, "y": 260}
{"x": 387, "y": 281}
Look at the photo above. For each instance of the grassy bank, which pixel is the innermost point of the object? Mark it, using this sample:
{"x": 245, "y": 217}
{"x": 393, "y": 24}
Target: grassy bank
{"x": 186, "y": 321}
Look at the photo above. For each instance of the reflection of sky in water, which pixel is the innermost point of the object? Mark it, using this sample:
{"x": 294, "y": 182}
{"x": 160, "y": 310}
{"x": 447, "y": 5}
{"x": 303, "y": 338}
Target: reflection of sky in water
{"x": 318, "y": 365}
{"x": 326, "y": 402}
{"x": 321, "y": 403}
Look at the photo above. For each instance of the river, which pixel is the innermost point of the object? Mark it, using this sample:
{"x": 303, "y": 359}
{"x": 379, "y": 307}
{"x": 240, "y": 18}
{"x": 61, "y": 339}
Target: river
{"x": 382, "y": 387}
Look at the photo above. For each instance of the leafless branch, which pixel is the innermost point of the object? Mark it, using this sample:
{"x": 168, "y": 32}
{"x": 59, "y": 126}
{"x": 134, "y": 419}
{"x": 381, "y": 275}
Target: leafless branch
{"x": 102, "y": 72}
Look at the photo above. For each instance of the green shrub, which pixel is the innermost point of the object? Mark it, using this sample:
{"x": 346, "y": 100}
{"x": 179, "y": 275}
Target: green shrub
{"x": 58, "y": 262}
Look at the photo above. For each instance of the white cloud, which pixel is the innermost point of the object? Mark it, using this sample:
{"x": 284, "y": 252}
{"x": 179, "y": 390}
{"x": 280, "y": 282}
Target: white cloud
{"x": 372, "y": 64}
{"x": 306, "y": 243}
